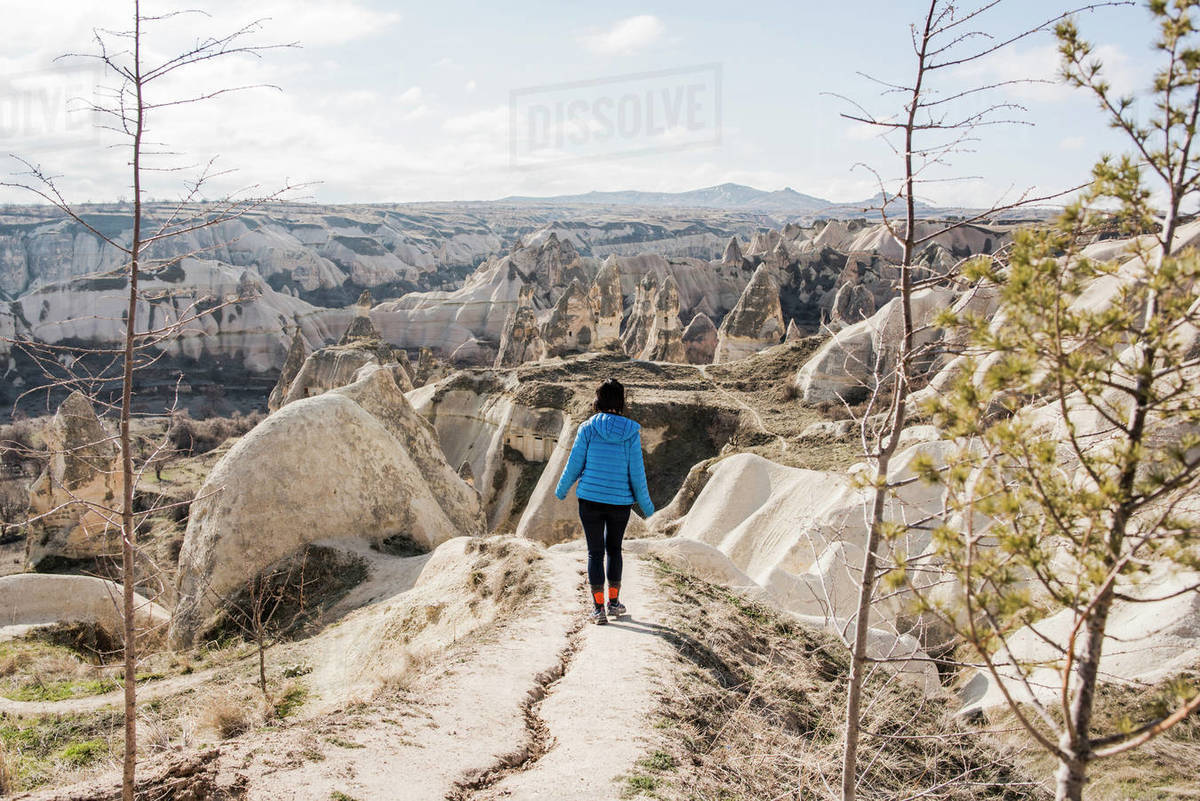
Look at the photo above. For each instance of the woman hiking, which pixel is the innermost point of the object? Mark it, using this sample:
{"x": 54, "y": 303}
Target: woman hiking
{"x": 606, "y": 459}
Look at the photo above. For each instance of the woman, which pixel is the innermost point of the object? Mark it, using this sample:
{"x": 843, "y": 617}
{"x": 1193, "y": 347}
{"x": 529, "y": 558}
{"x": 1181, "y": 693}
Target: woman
{"x": 606, "y": 459}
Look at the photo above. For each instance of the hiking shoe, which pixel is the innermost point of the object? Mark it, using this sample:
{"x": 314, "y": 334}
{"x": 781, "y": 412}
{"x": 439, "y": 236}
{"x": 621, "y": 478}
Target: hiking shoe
{"x": 598, "y": 617}
{"x": 616, "y": 608}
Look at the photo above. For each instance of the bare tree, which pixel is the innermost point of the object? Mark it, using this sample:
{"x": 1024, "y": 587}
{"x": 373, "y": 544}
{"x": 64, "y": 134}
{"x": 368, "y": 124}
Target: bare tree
{"x": 933, "y": 125}
{"x": 126, "y": 109}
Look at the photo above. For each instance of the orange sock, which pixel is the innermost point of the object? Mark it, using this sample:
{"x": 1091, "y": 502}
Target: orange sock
{"x": 598, "y": 597}
{"x": 613, "y": 592}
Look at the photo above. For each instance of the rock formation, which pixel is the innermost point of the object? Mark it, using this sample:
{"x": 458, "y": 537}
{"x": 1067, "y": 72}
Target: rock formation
{"x": 296, "y": 356}
{"x": 733, "y": 254}
{"x": 571, "y": 327}
{"x": 664, "y": 342}
{"x": 847, "y": 366}
{"x": 474, "y": 353}
{"x": 754, "y": 323}
{"x": 608, "y": 304}
{"x": 852, "y": 304}
{"x": 83, "y": 469}
{"x": 44, "y": 599}
{"x": 522, "y": 339}
{"x": 641, "y": 316}
{"x": 361, "y": 326}
{"x": 700, "y": 340}
{"x": 793, "y": 332}
{"x": 355, "y": 462}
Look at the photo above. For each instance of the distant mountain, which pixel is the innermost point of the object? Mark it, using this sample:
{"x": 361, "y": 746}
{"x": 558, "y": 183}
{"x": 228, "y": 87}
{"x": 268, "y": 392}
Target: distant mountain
{"x": 727, "y": 197}
{"x": 723, "y": 196}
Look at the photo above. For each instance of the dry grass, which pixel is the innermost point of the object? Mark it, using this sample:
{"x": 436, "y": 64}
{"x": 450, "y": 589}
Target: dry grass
{"x": 757, "y": 714}
{"x": 228, "y": 712}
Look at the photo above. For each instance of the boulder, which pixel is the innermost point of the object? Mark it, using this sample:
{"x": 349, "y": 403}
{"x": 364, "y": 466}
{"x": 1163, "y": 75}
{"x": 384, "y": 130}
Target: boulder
{"x": 571, "y": 327}
{"x": 83, "y": 469}
{"x": 700, "y": 340}
{"x": 664, "y": 342}
{"x": 608, "y": 304}
{"x": 754, "y": 323}
{"x": 355, "y": 462}
{"x": 43, "y": 599}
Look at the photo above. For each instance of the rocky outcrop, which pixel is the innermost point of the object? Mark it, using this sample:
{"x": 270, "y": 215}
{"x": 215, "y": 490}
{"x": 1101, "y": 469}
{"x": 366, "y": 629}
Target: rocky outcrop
{"x": 700, "y": 340}
{"x": 474, "y": 353}
{"x": 83, "y": 469}
{"x": 337, "y": 365}
{"x": 853, "y": 303}
{"x": 42, "y": 599}
{"x": 664, "y": 342}
{"x": 571, "y": 327}
{"x": 296, "y": 356}
{"x": 356, "y": 462}
{"x": 754, "y": 323}
{"x": 522, "y": 339}
{"x": 608, "y": 303}
{"x": 793, "y": 332}
{"x": 732, "y": 257}
{"x": 850, "y": 363}
{"x": 641, "y": 316}
{"x": 361, "y": 326}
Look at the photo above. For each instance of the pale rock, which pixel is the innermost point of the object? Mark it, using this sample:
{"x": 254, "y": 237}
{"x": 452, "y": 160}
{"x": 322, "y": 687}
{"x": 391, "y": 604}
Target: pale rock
{"x": 571, "y": 326}
{"x": 522, "y": 340}
{"x": 380, "y": 473}
{"x": 296, "y": 356}
{"x": 361, "y": 327}
{"x": 733, "y": 254}
{"x": 82, "y": 474}
{"x": 793, "y": 332}
{"x": 641, "y": 316}
{"x": 30, "y": 600}
{"x": 474, "y": 353}
{"x": 754, "y": 323}
{"x": 853, "y": 303}
{"x": 847, "y": 366}
{"x": 608, "y": 303}
{"x": 664, "y": 342}
{"x": 700, "y": 340}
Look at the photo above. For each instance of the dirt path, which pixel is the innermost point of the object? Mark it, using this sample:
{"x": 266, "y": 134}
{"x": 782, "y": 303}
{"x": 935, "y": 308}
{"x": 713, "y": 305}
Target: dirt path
{"x": 544, "y": 706}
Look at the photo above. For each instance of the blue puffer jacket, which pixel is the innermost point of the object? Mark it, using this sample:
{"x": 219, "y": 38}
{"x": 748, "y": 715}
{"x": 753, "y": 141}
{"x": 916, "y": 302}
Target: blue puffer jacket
{"x": 607, "y": 460}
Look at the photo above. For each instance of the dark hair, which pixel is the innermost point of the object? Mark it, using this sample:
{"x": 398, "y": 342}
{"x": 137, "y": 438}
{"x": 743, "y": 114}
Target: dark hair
{"x": 610, "y": 397}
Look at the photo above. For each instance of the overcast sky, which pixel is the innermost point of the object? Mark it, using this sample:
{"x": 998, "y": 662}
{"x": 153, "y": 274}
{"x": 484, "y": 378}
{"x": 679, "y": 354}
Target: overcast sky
{"x": 449, "y": 100}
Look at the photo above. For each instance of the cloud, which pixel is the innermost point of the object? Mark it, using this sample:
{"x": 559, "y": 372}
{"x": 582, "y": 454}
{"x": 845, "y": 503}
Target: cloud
{"x": 1072, "y": 143}
{"x": 410, "y": 95}
{"x": 470, "y": 86}
{"x": 492, "y": 121}
{"x": 1037, "y": 69}
{"x": 626, "y": 36}
{"x": 322, "y": 23}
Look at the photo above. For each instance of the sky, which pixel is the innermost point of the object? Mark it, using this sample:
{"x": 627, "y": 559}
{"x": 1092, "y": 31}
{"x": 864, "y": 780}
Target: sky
{"x": 402, "y": 101}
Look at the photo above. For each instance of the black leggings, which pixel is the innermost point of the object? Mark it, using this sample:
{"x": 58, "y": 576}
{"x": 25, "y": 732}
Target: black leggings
{"x": 596, "y": 517}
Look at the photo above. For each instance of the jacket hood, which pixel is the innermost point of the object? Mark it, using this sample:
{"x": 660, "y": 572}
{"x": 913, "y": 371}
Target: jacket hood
{"x": 613, "y": 427}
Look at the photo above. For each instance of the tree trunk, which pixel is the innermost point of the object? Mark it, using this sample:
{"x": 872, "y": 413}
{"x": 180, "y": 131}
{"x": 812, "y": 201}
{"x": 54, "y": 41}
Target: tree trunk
{"x": 128, "y": 531}
{"x": 1076, "y": 740}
